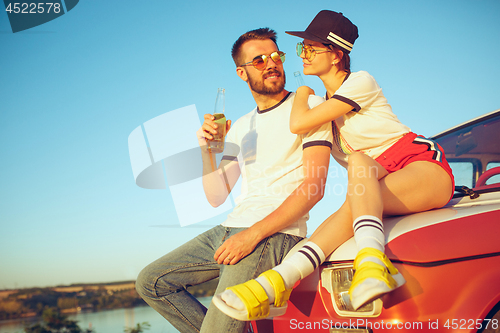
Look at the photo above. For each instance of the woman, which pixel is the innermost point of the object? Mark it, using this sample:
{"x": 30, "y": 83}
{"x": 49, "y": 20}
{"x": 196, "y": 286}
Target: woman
{"x": 389, "y": 169}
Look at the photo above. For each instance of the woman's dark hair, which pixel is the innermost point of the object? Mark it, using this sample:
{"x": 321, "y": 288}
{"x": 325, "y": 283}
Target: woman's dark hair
{"x": 345, "y": 60}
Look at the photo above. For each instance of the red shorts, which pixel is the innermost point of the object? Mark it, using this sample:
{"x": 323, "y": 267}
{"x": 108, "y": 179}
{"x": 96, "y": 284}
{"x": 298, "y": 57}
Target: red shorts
{"x": 411, "y": 148}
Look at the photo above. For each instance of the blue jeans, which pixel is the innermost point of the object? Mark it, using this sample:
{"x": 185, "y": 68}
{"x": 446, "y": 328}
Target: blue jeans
{"x": 162, "y": 284}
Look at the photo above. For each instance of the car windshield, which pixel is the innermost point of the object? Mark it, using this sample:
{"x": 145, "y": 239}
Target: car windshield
{"x": 473, "y": 152}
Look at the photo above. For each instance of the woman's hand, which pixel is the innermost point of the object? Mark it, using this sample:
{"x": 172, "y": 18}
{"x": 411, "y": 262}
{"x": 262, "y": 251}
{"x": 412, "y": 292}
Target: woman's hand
{"x": 305, "y": 90}
{"x": 299, "y": 109}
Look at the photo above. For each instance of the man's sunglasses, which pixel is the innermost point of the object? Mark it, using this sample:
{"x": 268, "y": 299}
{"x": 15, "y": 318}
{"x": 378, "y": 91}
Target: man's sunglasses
{"x": 309, "y": 52}
{"x": 260, "y": 62}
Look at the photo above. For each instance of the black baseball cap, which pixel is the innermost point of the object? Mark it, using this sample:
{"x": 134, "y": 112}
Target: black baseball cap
{"x": 329, "y": 27}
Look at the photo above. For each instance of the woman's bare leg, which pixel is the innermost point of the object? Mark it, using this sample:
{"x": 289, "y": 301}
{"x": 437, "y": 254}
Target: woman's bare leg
{"x": 419, "y": 186}
{"x": 335, "y": 230}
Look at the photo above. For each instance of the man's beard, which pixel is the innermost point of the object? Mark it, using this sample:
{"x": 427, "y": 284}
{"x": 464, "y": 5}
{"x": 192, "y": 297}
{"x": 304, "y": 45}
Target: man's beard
{"x": 259, "y": 86}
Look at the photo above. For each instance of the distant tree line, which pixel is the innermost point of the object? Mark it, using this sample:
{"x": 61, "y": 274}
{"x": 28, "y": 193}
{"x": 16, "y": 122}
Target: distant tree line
{"x": 31, "y": 302}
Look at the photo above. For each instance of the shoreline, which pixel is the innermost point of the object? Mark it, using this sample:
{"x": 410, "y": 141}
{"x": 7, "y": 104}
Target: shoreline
{"x": 34, "y": 319}
{"x": 33, "y": 316}
{"x": 29, "y": 303}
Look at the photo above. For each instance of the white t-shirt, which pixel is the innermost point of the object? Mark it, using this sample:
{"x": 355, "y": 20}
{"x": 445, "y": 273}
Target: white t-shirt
{"x": 371, "y": 127}
{"x": 270, "y": 159}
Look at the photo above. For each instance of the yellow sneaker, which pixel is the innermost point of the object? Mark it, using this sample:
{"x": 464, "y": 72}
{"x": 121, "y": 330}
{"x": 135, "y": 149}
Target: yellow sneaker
{"x": 255, "y": 299}
{"x": 372, "y": 280}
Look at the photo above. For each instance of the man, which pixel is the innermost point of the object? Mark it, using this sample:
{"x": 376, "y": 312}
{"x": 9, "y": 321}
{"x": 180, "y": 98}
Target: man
{"x": 283, "y": 177}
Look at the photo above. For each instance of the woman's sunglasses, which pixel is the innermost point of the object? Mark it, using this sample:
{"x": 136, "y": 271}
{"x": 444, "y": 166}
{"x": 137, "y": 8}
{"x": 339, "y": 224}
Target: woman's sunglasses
{"x": 309, "y": 52}
{"x": 260, "y": 62}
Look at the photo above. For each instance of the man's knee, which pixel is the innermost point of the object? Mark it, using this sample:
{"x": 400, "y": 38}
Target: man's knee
{"x": 152, "y": 283}
{"x": 143, "y": 284}
{"x": 159, "y": 279}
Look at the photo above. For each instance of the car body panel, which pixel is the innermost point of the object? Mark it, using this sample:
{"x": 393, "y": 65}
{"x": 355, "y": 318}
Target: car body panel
{"x": 400, "y": 226}
{"x": 450, "y": 257}
{"x": 419, "y": 306}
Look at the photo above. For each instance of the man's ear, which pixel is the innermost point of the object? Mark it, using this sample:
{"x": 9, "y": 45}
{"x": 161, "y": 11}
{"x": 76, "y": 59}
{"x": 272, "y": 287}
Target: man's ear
{"x": 242, "y": 73}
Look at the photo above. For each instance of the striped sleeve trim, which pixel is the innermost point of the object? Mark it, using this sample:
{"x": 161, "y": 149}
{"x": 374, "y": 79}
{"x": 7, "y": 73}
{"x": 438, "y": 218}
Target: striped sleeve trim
{"x": 352, "y": 103}
{"x": 229, "y": 158}
{"x": 317, "y": 143}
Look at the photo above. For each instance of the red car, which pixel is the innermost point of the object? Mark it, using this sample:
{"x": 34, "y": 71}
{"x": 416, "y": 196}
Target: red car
{"x": 450, "y": 257}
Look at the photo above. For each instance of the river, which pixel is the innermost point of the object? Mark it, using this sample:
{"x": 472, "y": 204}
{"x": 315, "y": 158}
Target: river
{"x": 110, "y": 321}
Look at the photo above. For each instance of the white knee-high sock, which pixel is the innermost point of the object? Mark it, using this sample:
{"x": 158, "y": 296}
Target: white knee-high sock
{"x": 300, "y": 264}
{"x": 369, "y": 232}
{"x": 296, "y": 267}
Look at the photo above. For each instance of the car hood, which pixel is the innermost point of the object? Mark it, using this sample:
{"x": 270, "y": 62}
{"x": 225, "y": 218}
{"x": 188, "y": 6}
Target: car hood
{"x": 465, "y": 228}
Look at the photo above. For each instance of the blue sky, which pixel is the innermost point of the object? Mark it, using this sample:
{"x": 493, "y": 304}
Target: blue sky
{"x": 73, "y": 89}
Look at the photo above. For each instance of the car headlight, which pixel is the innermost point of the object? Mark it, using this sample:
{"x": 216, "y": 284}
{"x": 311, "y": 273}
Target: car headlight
{"x": 337, "y": 280}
